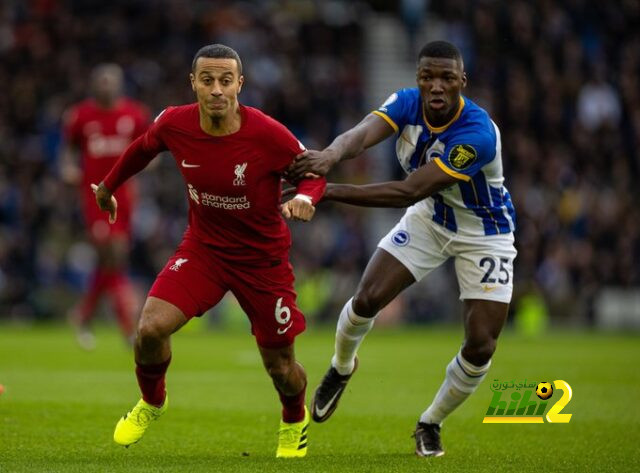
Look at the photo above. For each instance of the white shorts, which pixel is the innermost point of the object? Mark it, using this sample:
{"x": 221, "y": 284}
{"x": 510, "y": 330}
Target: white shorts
{"x": 484, "y": 264}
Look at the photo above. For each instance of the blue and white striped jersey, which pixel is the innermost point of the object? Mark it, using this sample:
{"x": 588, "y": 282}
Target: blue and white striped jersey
{"x": 468, "y": 148}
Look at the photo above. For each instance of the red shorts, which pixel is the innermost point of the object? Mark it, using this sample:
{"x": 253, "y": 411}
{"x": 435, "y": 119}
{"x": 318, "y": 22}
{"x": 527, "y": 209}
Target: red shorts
{"x": 196, "y": 278}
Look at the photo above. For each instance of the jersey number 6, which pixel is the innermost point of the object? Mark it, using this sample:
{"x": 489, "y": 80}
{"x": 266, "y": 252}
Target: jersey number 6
{"x": 283, "y": 313}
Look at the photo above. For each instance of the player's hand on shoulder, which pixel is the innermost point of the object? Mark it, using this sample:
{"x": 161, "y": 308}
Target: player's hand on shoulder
{"x": 106, "y": 201}
{"x": 311, "y": 163}
{"x": 298, "y": 208}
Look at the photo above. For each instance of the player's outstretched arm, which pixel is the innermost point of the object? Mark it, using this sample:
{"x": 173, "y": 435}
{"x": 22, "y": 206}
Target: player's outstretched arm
{"x": 420, "y": 184}
{"x": 370, "y": 131}
{"x": 69, "y": 167}
{"x": 70, "y": 172}
{"x": 106, "y": 201}
{"x": 134, "y": 159}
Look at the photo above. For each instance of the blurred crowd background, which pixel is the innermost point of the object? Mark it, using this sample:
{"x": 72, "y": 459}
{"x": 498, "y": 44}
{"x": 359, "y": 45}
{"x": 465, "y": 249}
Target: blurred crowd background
{"x": 559, "y": 77}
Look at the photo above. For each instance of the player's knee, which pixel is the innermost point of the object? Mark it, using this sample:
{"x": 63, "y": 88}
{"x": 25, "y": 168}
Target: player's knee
{"x": 151, "y": 328}
{"x": 365, "y": 303}
{"x": 279, "y": 370}
{"x": 479, "y": 352}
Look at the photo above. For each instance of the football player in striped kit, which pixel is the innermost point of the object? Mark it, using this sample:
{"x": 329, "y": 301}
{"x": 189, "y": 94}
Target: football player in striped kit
{"x": 457, "y": 206}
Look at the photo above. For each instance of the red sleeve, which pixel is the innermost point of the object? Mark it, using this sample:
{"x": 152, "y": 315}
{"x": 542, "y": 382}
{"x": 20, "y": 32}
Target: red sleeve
{"x": 71, "y": 126}
{"x": 313, "y": 187}
{"x": 136, "y": 157}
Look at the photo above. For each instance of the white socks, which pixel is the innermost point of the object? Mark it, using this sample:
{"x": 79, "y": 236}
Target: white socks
{"x": 350, "y": 332}
{"x": 461, "y": 380}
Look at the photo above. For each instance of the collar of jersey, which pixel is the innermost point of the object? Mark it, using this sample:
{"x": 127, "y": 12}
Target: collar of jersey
{"x": 440, "y": 129}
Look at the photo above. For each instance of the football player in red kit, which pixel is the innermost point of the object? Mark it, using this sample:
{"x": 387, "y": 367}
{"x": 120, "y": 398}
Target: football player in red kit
{"x": 232, "y": 158}
{"x": 97, "y": 131}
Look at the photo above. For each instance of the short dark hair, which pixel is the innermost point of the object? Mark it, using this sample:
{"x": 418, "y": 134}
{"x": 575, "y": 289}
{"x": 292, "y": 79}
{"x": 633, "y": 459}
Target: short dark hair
{"x": 217, "y": 51}
{"x": 442, "y": 49}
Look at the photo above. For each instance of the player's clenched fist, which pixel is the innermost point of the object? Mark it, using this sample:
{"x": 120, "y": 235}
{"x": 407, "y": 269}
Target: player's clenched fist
{"x": 106, "y": 201}
{"x": 298, "y": 208}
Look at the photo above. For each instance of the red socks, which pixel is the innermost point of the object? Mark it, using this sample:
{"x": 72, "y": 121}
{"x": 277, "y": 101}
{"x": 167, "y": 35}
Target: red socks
{"x": 123, "y": 301}
{"x": 151, "y": 382}
{"x": 99, "y": 283}
{"x": 119, "y": 288}
{"x": 293, "y": 406}
{"x": 151, "y": 379}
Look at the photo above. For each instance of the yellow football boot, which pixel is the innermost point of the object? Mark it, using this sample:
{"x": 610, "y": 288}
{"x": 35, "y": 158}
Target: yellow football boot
{"x": 292, "y": 438}
{"x": 133, "y": 424}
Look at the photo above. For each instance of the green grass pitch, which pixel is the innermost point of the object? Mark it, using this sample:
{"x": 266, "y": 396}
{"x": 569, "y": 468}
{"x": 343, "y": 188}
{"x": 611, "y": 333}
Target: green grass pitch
{"x": 61, "y": 404}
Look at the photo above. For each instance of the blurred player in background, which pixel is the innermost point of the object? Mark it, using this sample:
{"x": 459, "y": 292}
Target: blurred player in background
{"x": 232, "y": 158}
{"x": 458, "y": 207}
{"x": 97, "y": 131}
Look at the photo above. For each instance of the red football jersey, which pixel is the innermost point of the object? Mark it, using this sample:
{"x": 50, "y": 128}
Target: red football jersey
{"x": 102, "y": 135}
{"x": 233, "y": 182}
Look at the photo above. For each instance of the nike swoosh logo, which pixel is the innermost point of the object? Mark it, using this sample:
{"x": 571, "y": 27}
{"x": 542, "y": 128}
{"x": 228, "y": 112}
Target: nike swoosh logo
{"x": 429, "y": 453}
{"x": 187, "y": 165}
{"x": 327, "y": 406}
{"x": 421, "y": 447}
{"x": 489, "y": 288}
{"x": 283, "y": 330}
